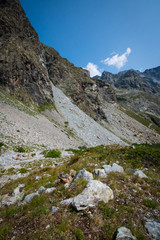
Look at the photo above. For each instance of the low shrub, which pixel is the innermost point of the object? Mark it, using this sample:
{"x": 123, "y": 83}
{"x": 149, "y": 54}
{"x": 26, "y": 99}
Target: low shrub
{"x": 52, "y": 154}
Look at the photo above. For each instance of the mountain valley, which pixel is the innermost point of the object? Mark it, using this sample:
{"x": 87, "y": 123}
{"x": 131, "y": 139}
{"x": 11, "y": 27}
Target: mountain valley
{"x": 79, "y": 156}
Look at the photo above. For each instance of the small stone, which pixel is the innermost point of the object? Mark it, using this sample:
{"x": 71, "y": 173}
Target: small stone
{"x": 124, "y": 233}
{"x": 140, "y": 174}
{"x": 54, "y": 209}
{"x": 50, "y": 190}
{"x": 37, "y": 178}
{"x": 66, "y": 185}
{"x": 48, "y": 183}
{"x": 41, "y": 190}
{"x": 48, "y": 226}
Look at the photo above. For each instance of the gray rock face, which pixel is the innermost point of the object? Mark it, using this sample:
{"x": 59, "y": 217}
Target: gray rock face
{"x": 124, "y": 233}
{"x": 100, "y": 173}
{"x": 153, "y": 228}
{"x": 113, "y": 168}
{"x": 83, "y": 174}
{"x": 94, "y": 192}
{"x": 140, "y": 174}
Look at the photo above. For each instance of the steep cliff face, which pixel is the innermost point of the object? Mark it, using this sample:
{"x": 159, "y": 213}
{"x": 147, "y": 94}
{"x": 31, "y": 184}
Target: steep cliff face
{"x": 27, "y": 67}
{"x": 21, "y": 61}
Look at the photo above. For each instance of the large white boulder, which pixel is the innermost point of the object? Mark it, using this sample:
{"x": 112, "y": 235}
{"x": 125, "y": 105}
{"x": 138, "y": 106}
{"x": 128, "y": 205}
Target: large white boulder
{"x": 94, "y": 192}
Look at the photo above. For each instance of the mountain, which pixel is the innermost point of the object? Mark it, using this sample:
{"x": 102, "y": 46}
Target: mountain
{"x": 132, "y": 79}
{"x": 152, "y": 75}
{"x": 138, "y": 92}
{"x": 70, "y": 108}
{"x": 27, "y": 67}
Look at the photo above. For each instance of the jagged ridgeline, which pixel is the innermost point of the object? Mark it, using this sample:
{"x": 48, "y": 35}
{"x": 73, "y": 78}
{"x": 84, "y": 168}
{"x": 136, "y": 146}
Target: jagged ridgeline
{"x": 27, "y": 66}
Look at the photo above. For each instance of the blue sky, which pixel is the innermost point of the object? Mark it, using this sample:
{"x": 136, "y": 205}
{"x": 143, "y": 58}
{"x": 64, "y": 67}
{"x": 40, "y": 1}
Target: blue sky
{"x": 110, "y": 35}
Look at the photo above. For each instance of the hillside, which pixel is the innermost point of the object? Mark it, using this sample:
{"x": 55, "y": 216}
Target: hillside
{"x": 79, "y": 156}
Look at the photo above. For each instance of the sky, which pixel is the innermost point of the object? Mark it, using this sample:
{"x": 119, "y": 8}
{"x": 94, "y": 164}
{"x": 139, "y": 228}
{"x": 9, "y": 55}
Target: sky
{"x": 100, "y": 35}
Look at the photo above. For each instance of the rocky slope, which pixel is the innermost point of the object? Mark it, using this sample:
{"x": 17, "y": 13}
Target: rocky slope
{"x": 28, "y": 71}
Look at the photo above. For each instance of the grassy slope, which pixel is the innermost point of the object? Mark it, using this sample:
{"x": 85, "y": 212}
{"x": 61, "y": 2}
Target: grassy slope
{"x": 132, "y": 197}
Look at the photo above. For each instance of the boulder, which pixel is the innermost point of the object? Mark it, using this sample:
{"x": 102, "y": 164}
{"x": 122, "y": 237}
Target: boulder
{"x": 15, "y": 197}
{"x": 153, "y": 227}
{"x": 94, "y": 192}
{"x": 117, "y": 168}
{"x": 113, "y": 168}
{"x": 124, "y": 233}
{"x": 83, "y": 174}
{"x": 107, "y": 168}
{"x": 100, "y": 173}
{"x": 140, "y": 174}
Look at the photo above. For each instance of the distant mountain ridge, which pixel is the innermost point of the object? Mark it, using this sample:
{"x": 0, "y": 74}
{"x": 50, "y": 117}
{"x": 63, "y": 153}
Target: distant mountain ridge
{"x": 145, "y": 81}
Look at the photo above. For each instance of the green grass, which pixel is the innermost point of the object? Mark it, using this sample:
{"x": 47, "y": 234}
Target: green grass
{"x": 79, "y": 234}
{"x": 52, "y": 154}
{"x": 99, "y": 222}
{"x": 23, "y": 170}
{"x": 150, "y": 203}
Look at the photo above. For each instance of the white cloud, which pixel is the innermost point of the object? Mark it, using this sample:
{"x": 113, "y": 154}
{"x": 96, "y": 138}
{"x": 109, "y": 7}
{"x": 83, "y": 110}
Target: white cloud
{"x": 93, "y": 69}
{"x": 116, "y": 60}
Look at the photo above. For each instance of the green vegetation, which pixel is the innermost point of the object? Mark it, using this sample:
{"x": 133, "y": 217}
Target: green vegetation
{"x": 47, "y": 106}
{"x": 79, "y": 234}
{"x": 23, "y": 170}
{"x": 150, "y": 203}
{"x": 52, "y": 154}
{"x": 20, "y": 149}
{"x": 133, "y": 196}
